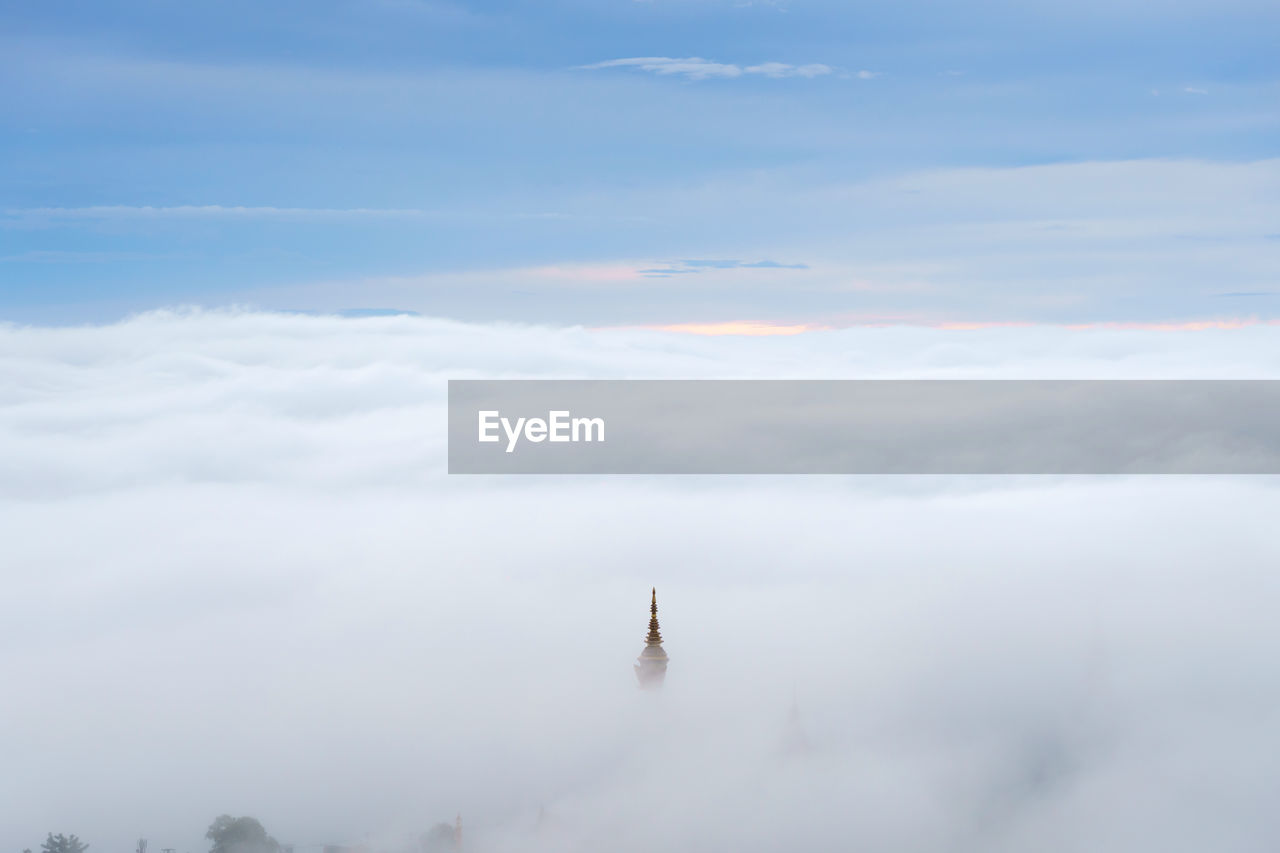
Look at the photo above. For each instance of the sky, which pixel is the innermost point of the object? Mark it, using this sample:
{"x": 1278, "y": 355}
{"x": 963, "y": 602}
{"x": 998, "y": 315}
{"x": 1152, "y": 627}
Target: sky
{"x": 665, "y": 162}
{"x": 243, "y": 246}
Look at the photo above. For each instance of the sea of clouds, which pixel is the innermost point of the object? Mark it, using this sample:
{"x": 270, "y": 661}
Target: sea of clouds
{"x": 237, "y": 579}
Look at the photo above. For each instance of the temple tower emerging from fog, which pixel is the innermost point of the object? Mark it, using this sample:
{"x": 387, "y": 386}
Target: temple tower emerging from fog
{"x": 651, "y": 666}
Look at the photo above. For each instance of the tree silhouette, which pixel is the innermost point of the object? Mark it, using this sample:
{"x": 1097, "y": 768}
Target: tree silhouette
{"x": 239, "y": 835}
{"x": 63, "y": 844}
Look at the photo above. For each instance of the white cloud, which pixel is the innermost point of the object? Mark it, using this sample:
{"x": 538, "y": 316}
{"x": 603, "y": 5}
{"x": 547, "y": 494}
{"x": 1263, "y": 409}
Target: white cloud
{"x": 237, "y": 579}
{"x": 696, "y": 68}
{"x": 781, "y": 69}
{"x": 693, "y": 67}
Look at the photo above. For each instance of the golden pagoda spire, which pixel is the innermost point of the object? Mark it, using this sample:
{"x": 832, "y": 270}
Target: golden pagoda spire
{"x": 654, "y": 638}
{"x": 651, "y": 666}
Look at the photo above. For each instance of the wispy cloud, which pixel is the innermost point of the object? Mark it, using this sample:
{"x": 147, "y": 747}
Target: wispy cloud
{"x": 781, "y": 69}
{"x": 693, "y": 266}
{"x": 697, "y": 68}
{"x": 115, "y": 211}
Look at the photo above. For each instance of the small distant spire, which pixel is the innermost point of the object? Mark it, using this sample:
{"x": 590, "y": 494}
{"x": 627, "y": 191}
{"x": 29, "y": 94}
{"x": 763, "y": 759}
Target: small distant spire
{"x": 655, "y": 637}
{"x": 457, "y": 832}
{"x": 651, "y": 666}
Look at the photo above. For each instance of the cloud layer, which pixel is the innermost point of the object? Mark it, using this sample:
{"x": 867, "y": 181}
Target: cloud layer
{"x": 237, "y": 580}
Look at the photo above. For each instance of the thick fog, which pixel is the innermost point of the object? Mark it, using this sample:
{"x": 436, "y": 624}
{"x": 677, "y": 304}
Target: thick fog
{"x": 237, "y": 580}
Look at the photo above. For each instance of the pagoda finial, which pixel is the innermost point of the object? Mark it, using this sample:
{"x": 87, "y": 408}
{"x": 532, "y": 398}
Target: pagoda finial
{"x": 654, "y": 638}
{"x": 651, "y": 667}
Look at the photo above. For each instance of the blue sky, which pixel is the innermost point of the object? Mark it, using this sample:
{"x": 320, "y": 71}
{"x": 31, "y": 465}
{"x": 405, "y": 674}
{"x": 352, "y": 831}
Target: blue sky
{"x": 646, "y": 163}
